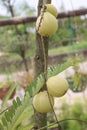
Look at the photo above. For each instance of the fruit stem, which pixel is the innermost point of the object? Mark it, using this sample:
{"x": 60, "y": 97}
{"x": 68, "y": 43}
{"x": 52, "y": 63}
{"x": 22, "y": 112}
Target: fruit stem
{"x": 45, "y": 78}
{"x": 45, "y": 61}
{"x": 53, "y": 109}
{"x": 61, "y": 122}
{"x": 42, "y": 14}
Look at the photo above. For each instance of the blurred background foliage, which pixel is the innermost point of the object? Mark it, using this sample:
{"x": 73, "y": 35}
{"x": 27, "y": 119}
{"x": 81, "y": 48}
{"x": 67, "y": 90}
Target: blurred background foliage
{"x": 17, "y": 42}
{"x": 76, "y": 110}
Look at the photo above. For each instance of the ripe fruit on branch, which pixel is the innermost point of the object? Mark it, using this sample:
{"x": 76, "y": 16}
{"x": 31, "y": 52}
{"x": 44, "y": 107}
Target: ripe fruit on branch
{"x": 57, "y": 86}
{"x": 41, "y": 102}
{"x": 46, "y": 24}
{"x": 51, "y": 9}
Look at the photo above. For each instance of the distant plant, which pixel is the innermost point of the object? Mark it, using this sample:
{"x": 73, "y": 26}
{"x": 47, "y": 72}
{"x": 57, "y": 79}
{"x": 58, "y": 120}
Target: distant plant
{"x": 76, "y": 111}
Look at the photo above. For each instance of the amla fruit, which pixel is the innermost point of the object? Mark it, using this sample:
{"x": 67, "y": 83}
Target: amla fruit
{"x": 41, "y": 102}
{"x": 46, "y": 24}
{"x": 57, "y": 86}
{"x": 51, "y": 9}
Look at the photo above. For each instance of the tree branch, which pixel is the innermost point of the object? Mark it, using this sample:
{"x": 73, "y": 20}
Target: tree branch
{"x": 20, "y": 20}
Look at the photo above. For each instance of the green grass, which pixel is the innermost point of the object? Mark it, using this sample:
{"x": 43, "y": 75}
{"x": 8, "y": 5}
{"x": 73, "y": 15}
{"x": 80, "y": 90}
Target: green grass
{"x": 69, "y": 48}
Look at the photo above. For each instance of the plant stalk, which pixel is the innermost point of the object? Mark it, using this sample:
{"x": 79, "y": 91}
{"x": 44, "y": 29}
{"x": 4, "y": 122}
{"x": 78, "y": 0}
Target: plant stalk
{"x": 41, "y": 66}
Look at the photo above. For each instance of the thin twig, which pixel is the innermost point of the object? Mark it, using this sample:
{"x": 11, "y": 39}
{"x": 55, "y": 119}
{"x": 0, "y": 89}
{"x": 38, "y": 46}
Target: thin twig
{"x": 42, "y": 14}
{"x": 62, "y": 121}
{"x": 4, "y": 110}
{"x": 45, "y": 62}
{"x": 45, "y": 67}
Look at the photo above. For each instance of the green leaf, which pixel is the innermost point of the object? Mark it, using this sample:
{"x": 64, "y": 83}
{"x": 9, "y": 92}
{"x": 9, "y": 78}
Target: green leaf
{"x": 12, "y": 88}
{"x": 7, "y": 116}
{"x": 56, "y": 69}
{"x": 4, "y": 121}
{"x": 20, "y": 110}
{"x": 1, "y": 127}
{"x": 26, "y": 127}
{"x": 38, "y": 83}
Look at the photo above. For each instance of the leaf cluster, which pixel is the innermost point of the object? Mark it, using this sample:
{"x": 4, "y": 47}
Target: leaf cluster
{"x": 21, "y": 109}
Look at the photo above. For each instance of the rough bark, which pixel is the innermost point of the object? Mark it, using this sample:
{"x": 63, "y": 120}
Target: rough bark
{"x": 40, "y": 119}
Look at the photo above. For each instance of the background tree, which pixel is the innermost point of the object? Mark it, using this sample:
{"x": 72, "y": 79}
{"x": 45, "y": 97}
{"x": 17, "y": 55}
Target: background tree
{"x": 19, "y": 39}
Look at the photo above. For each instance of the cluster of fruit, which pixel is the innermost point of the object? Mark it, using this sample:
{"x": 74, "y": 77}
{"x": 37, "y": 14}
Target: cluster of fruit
{"x": 47, "y": 24}
{"x": 56, "y": 87}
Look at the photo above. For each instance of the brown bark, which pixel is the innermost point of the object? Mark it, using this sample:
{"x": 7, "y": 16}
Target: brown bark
{"x": 24, "y": 60}
{"x": 41, "y": 119}
{"x": 20, "y": 20}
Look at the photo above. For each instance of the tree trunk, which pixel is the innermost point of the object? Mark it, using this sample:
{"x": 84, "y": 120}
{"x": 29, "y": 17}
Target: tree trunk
{"x": 41, "y": 119}
{"x": 22, "y": 52}
{"x": 25, "y": 64}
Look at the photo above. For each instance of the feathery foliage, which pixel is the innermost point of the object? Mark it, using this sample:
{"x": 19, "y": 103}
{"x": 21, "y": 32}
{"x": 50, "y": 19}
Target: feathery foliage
{"x": 38, "y": 83}
{"x": 7, "y": 96}
{"x": 16, "y": 113}
{"x": 21, "y": 109}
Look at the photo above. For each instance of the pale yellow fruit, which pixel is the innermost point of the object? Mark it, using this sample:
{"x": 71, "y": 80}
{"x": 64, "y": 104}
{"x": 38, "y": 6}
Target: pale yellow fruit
{"x": 51, "y": 9}
{"x": 57, "y": 86}
{"x": 41, "y": 102}
{"x": 47, "y": 24}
